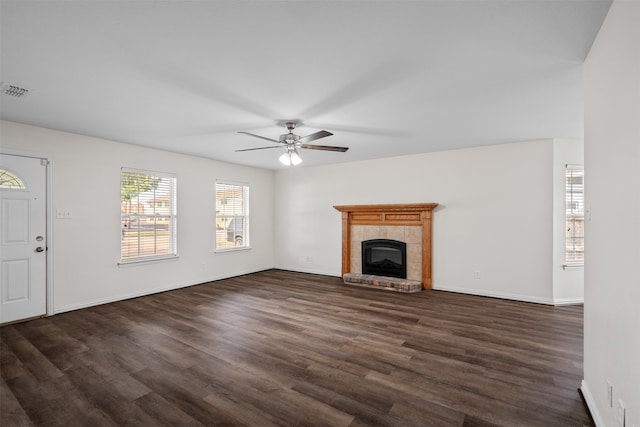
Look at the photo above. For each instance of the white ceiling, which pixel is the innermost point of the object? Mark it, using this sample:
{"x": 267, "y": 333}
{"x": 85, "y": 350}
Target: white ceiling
{"x": 386, "y": 77}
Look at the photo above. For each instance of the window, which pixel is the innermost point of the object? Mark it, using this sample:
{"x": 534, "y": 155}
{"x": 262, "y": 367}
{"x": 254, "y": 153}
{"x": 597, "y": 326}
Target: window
{"x": 232, "y": 215}
{"x": 11, "y": 181}
{"x": 574, "y": 208}
{"x": 148, "y": 215}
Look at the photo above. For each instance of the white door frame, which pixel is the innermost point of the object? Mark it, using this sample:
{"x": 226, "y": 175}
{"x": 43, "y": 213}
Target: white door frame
{"x": 49, "y": 220}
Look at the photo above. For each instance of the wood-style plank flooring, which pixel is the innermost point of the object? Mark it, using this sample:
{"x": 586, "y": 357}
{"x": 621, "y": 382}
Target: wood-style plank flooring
{"x": 279, "y": 348}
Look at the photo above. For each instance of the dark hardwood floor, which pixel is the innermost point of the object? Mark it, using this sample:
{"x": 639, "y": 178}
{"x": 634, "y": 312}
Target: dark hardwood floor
{"x": 284, "y": 348}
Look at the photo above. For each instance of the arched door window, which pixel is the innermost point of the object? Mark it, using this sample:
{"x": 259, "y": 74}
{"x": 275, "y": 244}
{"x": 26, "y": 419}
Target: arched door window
{"x": 11, "y": 181}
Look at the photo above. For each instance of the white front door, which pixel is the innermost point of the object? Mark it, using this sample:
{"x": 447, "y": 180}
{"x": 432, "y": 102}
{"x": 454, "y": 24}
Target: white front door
{"x": 23, "y": 238}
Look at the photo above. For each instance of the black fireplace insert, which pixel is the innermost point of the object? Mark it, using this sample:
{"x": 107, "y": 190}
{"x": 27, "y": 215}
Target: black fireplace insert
{"x": 383, "y": 257}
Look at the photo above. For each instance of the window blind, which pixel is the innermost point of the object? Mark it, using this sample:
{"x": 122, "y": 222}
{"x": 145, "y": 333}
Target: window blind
{"x": 148, "y": 215}
{"x": 232, "y": 215}
{"x": 574, "y": 208}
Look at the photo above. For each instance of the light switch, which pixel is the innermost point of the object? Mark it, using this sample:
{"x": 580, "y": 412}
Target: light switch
{"x": 63, "y": 214}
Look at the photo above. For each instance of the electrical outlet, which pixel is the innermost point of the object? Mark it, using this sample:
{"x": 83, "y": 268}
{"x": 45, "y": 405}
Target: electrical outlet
{"x": 610, "y": 394}
{"x": 477, "y": 274}
{"x": 621, "y": 413}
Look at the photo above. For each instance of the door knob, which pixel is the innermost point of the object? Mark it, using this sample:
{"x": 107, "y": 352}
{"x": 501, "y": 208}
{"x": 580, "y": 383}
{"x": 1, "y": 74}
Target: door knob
{"x": 39, "y": 249}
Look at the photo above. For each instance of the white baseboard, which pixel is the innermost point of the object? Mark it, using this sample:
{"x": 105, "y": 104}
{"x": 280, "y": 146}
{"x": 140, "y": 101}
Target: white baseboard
{"x": 568, "y": 301}
{"x": 515, "y": 297}
{"x": 145, "y": 292}
{"x": 479, "y": 292}
{"x": 306, "y": 270}
{"x": 591, "y": 404}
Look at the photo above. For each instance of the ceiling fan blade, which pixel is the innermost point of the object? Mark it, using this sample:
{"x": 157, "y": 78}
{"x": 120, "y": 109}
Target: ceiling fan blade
{"x": 259, "y": 148}
{"x": 316, "y": 135}
{"x": 324, "y": 147}
{"x": 358, "y": 129}
{"x": 258, "y": 136}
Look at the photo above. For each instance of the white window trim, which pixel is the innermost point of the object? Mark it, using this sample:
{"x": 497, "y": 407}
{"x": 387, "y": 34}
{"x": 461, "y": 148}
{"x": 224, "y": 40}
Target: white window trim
{"x": 232, "y": 249}
{"x": 147, "y": 260}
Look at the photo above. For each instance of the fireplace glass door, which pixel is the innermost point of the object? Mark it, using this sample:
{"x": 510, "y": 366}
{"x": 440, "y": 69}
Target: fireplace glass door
{"x": 383, "y": 257}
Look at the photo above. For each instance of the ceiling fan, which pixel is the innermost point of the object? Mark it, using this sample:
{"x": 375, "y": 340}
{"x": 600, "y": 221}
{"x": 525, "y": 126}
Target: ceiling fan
{"x": 292, "y": 142}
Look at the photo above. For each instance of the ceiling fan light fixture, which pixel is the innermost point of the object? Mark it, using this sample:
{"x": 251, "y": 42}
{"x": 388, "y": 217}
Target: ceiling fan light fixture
{"x": 290, "y": 158}
{"x": 295, "y": 158}
{"x": 285, "y": 159}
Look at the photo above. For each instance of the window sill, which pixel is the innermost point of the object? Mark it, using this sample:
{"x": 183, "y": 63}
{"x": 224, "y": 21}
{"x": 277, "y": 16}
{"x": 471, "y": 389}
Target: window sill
{"x": 234, "y": 249}
{"x": 141, "y": 261}
{"x": 573, "y": 267}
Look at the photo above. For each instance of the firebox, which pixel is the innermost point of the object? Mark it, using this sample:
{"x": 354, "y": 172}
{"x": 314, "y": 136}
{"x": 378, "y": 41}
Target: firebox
{"x": 383, "y": 257}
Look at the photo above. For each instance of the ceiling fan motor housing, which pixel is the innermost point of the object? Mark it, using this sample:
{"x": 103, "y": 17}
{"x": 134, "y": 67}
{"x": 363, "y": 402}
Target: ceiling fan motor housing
{"x": 289, "y": 138}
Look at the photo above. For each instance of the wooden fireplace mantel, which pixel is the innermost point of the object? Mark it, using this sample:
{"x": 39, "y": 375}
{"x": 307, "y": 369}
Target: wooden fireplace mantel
{"x": 418, "y": 214}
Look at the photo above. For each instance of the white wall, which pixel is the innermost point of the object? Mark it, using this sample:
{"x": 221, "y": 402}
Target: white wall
{"x": 568, "y": 285}
{"x": 612, "y": 165}
{"x": 495, "y": 215}
{"x": 86, "y": 248}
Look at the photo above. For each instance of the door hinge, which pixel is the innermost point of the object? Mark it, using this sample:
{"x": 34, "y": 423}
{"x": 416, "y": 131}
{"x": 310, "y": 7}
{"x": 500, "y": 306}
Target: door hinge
{"x": 44, "y": 162}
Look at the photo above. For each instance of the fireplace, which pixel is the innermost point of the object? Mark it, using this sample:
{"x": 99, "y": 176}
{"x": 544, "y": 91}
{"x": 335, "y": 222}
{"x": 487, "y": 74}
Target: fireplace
{"x": 384, "y": 257}
{"x": 410, "y": 223}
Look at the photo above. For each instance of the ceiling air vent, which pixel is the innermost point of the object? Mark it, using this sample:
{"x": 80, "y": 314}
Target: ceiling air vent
{"x": 13, "y": 90}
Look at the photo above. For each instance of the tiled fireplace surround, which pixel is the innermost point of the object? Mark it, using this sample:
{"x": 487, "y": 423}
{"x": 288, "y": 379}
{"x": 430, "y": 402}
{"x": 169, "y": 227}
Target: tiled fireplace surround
{"x": 409, "y": 234}
{"x": 408, "y": 223}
